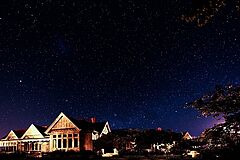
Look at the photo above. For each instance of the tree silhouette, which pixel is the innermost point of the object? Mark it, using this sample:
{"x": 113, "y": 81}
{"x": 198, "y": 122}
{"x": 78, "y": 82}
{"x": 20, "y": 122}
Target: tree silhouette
{"x": 224, "y": 101}
{"x": 204, "y": 10}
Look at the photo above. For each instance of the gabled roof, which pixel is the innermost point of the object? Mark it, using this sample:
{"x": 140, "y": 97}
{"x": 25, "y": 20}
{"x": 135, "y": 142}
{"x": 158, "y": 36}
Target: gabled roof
{"x": 80, "y": 124}
{"x": 89, "y": 126}
{"x": 40, "y": 130}
{"x": 57, "y": 119}
{"x": 18, "y": 133}
{"x": 5, "y": 137}
{"x": 98, "y": 126}
{"x": 186, "y": 135}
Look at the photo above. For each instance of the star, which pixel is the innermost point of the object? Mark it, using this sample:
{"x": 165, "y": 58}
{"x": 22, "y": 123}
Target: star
{"x": 115, "y": 61}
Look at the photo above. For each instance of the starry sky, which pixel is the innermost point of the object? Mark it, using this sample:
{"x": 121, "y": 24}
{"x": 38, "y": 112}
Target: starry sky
{"x": 133, "y": 63}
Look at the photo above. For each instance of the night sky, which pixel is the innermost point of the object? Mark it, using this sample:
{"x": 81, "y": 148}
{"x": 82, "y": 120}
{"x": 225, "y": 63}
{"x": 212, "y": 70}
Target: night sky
{"x": 133, "y": 63}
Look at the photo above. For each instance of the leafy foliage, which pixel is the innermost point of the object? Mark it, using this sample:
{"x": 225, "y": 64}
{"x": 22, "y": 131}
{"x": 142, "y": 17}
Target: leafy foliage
{"x": 143, "y": 139}
{"x": 205, "y": 10}
{"x": 224, "y": 101}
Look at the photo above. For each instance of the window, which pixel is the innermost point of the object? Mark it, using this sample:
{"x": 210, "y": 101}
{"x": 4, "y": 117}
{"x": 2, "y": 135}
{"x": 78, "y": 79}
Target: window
{"x": 70, "y": 143}
{"x": 64, "y": 143}
{"x": 75, "y": 135}
{"x": 64, "y": 135}
{"x": 54, "y": 143}
{"x": 75, "y": 142}
{"x": 59, "y": 136}
{"x": 59, "y": 143}
{"x": 54, "y": 136}
{"x": 40, "y": 147}
{"x": 69, "y": 135}
{"x": 32, "y": 146}
{"x": 36, "y": 146}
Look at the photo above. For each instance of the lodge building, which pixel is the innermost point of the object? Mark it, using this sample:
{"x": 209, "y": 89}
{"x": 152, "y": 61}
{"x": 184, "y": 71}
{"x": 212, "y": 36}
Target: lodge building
{"x": 65, "y": 134}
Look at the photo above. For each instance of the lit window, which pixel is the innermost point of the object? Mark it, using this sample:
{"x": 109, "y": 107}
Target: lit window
{"x": 54, "y": 143}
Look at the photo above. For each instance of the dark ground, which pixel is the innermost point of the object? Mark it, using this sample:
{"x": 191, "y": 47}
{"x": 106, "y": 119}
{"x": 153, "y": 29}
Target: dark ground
{"x": 94, "y": 157}
{"x": 87, "y": 157}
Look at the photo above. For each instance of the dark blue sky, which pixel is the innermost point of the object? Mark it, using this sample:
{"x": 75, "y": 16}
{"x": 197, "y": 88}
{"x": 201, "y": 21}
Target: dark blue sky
{"x": 134, "y": 63}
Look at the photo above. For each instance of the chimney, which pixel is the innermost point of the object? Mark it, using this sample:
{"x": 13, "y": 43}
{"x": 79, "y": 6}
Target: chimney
{"x": 93, "y": 120}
